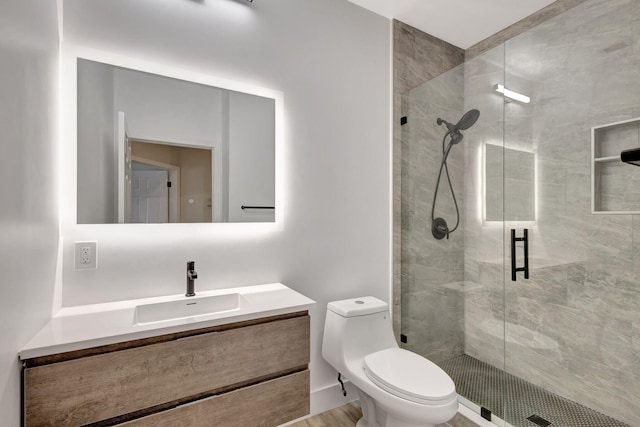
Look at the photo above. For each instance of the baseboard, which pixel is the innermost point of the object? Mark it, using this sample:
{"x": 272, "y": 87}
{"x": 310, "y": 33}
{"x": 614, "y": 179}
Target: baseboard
{"x": 329, "y": 397}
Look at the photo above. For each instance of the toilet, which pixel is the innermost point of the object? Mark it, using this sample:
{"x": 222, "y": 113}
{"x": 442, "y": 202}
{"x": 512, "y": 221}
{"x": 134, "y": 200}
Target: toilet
{"x": 397, "y": 388}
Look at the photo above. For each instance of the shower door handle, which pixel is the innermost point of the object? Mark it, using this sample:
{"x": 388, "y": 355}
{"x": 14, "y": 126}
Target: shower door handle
{"x": 525, "y": 240}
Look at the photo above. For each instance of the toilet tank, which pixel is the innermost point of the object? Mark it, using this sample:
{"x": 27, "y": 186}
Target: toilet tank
{"x": 354, "y": 328}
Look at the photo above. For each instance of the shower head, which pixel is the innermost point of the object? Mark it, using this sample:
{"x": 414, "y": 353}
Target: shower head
{"x": 468, "y": 119}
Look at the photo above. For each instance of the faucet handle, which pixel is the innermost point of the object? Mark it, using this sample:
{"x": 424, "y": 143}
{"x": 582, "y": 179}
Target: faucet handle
{"x": 191, "y": 276}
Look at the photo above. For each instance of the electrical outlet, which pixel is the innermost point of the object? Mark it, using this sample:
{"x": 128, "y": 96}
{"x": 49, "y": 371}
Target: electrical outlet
{"x": 86, "y": 255}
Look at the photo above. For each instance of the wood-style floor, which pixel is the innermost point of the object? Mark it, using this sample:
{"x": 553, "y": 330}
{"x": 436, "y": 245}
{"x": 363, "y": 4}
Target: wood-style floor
{"x": 349, "y": 414}
{"x": 344, "y": 416}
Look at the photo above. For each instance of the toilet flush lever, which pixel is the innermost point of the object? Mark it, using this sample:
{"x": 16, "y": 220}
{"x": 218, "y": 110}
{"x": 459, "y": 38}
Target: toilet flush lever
{"x": 344, "y": 392}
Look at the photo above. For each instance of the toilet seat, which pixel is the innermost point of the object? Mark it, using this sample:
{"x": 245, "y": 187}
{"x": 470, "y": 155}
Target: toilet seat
{"x": 409, "y": 376}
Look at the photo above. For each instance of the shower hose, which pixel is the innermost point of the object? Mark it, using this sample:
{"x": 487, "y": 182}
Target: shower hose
{"x": 439, "y": 225}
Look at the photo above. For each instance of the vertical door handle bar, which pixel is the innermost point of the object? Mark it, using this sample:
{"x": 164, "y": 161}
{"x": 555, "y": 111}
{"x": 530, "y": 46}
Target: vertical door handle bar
{"x": 525, "y": 240}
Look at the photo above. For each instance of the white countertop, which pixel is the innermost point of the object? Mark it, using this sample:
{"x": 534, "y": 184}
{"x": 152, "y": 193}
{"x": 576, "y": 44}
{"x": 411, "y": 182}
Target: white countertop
{"x": 77, "y": 328}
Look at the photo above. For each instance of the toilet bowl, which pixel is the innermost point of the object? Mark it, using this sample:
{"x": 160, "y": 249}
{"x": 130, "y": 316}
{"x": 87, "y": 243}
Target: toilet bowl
{"x": 397, "y": 388}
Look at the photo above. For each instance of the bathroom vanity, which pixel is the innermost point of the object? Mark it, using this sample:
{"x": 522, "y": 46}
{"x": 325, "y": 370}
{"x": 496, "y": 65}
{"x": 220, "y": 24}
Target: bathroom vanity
{"x": 242, "y": 366}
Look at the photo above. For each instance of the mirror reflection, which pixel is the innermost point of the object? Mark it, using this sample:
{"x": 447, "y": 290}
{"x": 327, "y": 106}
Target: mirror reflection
{"x": 510, "y": 193}
{"x": 154, "y": 149}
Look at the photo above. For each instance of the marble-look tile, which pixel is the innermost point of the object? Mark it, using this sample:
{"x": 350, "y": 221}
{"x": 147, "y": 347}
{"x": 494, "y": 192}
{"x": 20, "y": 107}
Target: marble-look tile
{"x": 603, "y": 298}
{"x": 436, "y": 334}
{"x": 482, "y": 342}
{"x": 635, "y": 249}
{"x": 521, "y": 26}
{"x": 487, "y": 349}
{"x": 419, "y": 57}
{"x": 545, "y": 285}
{"x": 592, "y": 378}
{"x": 635, "y": 335}
{"x": 578, "y": 179}
{"x": 538, "y": 369}
{"x": 604, "y": 342}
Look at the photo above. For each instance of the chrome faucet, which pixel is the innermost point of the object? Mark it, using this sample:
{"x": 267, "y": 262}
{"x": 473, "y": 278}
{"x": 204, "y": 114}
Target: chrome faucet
{"x": 192, "y": 275}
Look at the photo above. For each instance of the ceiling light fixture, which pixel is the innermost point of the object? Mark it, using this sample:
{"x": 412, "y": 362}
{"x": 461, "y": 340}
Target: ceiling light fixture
{"x": 511, "y": 94}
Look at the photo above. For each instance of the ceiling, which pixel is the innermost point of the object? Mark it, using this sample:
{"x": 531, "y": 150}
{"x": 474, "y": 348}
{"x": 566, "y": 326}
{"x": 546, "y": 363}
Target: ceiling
{"x": 462, "y": 23}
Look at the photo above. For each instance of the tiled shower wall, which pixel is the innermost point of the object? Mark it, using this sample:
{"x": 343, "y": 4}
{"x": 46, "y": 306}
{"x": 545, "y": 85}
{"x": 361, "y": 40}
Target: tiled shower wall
{"x": 574, "y": 327}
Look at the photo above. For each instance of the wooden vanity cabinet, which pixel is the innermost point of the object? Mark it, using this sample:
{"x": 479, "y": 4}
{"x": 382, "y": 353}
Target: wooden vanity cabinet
{"x": 252, "y": 373}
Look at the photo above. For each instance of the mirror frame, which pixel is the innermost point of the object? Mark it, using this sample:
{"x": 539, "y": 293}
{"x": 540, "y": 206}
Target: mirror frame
{"x": 68, "y": 133}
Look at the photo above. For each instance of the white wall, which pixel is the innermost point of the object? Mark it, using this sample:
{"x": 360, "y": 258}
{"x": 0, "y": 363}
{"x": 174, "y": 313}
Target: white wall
{"x": 28, "y": 171}
{"x": 331, "y": 60}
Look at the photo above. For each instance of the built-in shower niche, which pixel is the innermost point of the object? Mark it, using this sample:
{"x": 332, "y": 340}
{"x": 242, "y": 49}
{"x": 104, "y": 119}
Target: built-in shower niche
{"x": 614, "y": 184}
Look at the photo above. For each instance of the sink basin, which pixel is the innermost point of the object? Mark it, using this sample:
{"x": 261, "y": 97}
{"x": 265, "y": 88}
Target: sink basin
{"x": 187, "y": 307}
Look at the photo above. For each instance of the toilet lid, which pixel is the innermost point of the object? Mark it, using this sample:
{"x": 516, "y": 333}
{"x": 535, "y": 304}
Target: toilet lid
{"x": 408, "y": 375}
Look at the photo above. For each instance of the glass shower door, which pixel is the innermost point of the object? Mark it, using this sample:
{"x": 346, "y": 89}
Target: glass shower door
{"x": 571, "y": 330}
{"x": 453, "y": 285}
{"x": 432, "y": 321}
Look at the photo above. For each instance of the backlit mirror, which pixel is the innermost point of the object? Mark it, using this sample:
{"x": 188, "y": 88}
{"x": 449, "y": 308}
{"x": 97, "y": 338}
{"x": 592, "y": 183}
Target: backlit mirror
{"x": 155, "y": 149}
{"x": 510, "y": 184}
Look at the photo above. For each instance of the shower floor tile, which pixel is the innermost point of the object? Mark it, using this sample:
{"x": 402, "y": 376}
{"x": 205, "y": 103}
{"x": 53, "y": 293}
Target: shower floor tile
{"x": 490, "y": 387}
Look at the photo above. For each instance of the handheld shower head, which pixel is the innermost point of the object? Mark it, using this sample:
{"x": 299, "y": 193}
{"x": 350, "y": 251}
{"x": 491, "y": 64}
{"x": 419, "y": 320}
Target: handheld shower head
{"x": 468, "y": 119}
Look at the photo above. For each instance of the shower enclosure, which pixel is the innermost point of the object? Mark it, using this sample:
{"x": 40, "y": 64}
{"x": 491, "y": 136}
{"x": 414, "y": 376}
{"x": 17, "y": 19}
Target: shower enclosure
{"x": 563, "y": 345}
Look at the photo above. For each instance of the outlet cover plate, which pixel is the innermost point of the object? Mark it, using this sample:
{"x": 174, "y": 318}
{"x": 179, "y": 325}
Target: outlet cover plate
{"x": 85, "y": 255}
